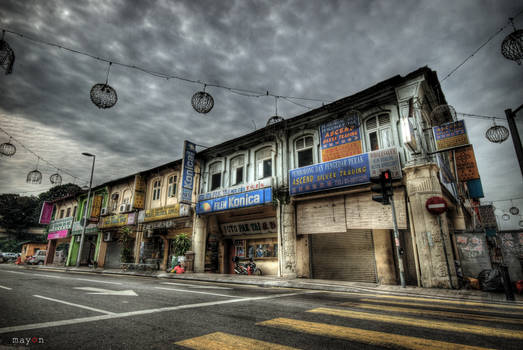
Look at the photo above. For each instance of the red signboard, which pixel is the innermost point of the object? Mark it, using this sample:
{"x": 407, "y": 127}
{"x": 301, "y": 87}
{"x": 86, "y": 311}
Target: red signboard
{"x": 436, "y": 205}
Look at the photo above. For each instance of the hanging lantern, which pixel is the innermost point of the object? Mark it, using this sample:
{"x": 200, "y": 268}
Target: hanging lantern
{"x": 352, "y": 119}
{"x": 103, "y": 95}
{"x": 497, "y": 133}
{"x": 202, "y": 102}
{"x": 506, "y": 217}
{"x": 7, "y": 149}
{"x": 7, "y": 56}
{"x": 514, "y": 210}
{"x": 35, "y": 176}
{"x": 442, "y": 114}
{"x": 56, "y": 179}
{"x": 274, "y": 123}
{"x": 512, "y": 45}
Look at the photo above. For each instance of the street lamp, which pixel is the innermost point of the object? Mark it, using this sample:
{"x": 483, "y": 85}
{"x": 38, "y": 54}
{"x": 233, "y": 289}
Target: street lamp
{"x": 85, "y": 210}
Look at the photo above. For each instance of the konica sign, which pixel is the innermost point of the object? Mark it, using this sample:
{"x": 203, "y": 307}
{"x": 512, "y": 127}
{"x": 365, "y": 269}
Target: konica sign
{"x": 241, "y": 200}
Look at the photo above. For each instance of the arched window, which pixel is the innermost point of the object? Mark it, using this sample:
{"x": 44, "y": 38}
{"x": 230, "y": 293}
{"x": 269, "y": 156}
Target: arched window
{"x": 157, "y": 187}
{"x": 263, "y": 163}
{"x": 171, "y": 186}
{"x": 215, "y": 172}
{"x": 114, "y": 201}
{"x": 237, "y": 170}
{"x": 379, "y": 133}
{"x": 303, "y": 150}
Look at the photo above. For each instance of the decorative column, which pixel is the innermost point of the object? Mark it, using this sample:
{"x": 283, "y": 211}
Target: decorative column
{"x": 383, "y": 252}
{"x": 422, "y": 183}
{"x": 287, "y": 240}
{"x": 199, "y": 237}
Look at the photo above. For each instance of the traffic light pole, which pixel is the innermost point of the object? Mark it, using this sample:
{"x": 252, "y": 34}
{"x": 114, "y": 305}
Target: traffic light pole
{"x": 397, "y": 243}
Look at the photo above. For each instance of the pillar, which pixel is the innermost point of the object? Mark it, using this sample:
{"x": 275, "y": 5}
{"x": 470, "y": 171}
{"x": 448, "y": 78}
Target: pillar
{"x": 199, "y": 238}
{"x": 51, "y": 249}
{"x": 383, "y": 252}
{"x": 422, "y": 183}
{"x": 287, "y": 240}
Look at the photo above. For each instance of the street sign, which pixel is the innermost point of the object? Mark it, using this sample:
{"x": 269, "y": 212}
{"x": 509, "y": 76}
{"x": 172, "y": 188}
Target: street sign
{"x": 436, "y": 205}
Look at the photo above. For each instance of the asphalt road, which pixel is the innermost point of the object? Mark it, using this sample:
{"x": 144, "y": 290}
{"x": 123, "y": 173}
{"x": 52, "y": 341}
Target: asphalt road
{"x": 58, "y": 310}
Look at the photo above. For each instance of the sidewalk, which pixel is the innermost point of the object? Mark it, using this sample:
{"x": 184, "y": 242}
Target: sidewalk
{"x": 313, "y": 284}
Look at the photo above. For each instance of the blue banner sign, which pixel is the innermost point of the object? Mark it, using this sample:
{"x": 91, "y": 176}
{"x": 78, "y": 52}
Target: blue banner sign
{"x": 449, "y": 135}
{"x": 242, "y": 200}
{"x": 189, "y": 153}
{"x": 349, "y": 171}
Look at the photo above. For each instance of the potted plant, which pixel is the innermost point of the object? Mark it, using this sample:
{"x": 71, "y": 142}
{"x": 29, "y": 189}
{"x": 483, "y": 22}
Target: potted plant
{"x": 126, "y": 254}
{"x": 182, "y": 243}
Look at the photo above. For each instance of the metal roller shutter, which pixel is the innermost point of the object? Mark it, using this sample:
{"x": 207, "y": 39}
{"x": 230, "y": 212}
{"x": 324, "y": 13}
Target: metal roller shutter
{"x": 345, "y": 256}
{"x": 112, "y": 255}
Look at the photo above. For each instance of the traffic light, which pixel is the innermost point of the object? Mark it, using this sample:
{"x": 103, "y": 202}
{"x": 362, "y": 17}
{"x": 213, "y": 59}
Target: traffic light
{"x": 382, "y": 186}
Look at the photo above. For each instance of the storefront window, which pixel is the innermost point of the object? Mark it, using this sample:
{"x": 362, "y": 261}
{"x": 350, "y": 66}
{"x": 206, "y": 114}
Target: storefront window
{"x": 262, "y": 248}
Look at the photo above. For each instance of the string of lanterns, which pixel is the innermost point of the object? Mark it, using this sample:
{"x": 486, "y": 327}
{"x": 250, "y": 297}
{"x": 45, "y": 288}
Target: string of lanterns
{"x": 512, "y": 45}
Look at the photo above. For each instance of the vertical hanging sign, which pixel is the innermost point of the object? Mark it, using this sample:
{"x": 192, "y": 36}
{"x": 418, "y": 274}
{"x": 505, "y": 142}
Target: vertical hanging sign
{"x": 139, "y": 192}
{"x": 189, "y": 153}
{"x": 46, "y": 213}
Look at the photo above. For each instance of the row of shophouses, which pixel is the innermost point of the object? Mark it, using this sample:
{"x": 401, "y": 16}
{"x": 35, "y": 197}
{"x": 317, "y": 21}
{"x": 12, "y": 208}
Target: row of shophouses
{"x": 295, "y": 196}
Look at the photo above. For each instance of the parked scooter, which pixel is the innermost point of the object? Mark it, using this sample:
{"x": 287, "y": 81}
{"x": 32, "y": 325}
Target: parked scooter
{"x": 246, "y": 268}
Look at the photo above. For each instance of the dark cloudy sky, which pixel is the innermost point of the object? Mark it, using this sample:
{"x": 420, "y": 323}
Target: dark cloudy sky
{"x": 320, "y": 49}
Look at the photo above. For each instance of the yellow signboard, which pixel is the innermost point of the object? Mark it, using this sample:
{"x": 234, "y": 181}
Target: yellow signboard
{"x": 114, "y": 220}
{"x": 97, "y": 206}
{"x": 139, "y": 192}
{"x": 466, "y": 164}
{"x": 162, "y": 213}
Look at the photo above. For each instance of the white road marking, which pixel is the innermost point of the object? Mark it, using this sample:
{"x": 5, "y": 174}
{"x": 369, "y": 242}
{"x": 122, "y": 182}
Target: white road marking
{"x": 63, "y": 277}
{"x": 195, "y": 285}
{"x": 139, "y": 312}
{"x": 100, "y": 291}
{"x": 21, "y": 273}
{"x": 51, "y": 276}
{"x": 6, "y": 288}
{"x": 88, "y": 280}
{"x": 194, "y": 291}
{"x": 76, "y": 305}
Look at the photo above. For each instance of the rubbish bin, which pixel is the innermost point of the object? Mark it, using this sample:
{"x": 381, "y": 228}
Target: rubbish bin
{"x": 189, "y": 261}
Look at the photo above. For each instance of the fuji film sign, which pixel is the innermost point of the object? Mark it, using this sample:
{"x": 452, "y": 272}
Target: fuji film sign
{"x": 436, "y": 205}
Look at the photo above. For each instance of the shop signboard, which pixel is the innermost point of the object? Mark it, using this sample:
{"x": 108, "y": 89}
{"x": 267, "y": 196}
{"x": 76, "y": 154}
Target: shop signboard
{"x": 234, "y": 201}
{"x": 349, "y": 171}
{"x": 450, "y": 135}
{"x": 46, "y": 213}
{"x": 162, "y": 213}
{"x": 117, "y": 220}
{"x": 189, "y": 153}
{"x": 57, "y": 234}
{"x": 339, "y": 140}
{"x": 60, "y": 224}
{"x": 250, "y": 227}
{"x": 445, "y": 175}
{"x": 139, "y": 192}
{"x": 89, "y": 229}
{"x": 96, "y": 208}
{"x": 257, "y": 185}
{"x": 466, "y": 164}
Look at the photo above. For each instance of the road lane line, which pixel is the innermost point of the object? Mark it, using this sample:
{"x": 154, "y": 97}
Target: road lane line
{"x": 140, "y": 312}
{"x": 424, "y": 312}
{"x": 76, "y": 305}
{"x": 417, "y": 322}
{"x": 6, "y": 288}
{"x": 63, "y": 277}
{"x": 21, "y": 273}
{"x": 50, "y": 276}
{"x": 364, "y": 336}
{"x": 195, "y": 291}
{"x": 96, "y": 281}
{"x": 220, "y": 340}
{"x": 439, "y": 306}
{"x": 444, "y": 301}
{"x": 195, "y": 285}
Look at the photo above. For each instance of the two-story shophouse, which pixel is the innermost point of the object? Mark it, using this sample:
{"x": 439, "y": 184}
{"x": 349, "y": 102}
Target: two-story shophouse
{"x": 167, "y": 210}
{"x": 59, "y": 229}
{"x": 296, "y": 196}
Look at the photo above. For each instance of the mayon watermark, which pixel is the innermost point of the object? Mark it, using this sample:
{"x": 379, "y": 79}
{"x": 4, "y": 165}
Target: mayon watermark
{"x": 27, "y": 341}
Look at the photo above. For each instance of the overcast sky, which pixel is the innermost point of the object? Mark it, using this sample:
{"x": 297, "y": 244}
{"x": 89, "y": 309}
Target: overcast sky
{"x": 319, "y": 49}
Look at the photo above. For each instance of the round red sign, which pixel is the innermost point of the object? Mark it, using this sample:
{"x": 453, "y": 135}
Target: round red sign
{"x": 436, "y": 205}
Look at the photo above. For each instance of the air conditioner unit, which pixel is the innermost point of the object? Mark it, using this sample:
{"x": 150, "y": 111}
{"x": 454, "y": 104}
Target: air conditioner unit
{"x": 122, "y": 207}
{"x": 107, "y": 237}
{"x": 103, "y": 211}
{"x": 128, "y": 207}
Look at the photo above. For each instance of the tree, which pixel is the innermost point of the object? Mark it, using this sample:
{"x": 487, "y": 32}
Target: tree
{"x": 58, "y": 192}
{"x": 18, "y": 213}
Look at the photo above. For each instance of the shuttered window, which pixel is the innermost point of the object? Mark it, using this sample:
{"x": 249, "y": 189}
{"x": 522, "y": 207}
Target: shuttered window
{"x": 379, "y": 132}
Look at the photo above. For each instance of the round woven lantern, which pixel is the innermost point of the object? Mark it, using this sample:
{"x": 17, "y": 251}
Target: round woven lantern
{"x": 443, "y": 113}
{"x": 34, "y": 177}
{"x": 352, "y": 119}
{"x": 497, "y": 134}
{"x": 7, "y": 149}
{"x": 202, "y": 102}
{"x": 56, "y": 179}
{"x": 512, "y": 46}
{"x": 514, "y": 210}
{"x": 272, "y": 126}
{"x": 103, "y": 96}
{"x": 7, "y": 56}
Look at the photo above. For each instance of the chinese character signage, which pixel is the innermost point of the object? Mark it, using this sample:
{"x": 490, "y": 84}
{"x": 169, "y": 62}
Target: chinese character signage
{"x": 466, "y": 164}
{"x": 264, "y": 183}
{"x": 46, "y": 213}
{"x": 97, "y": 207}
{"x": 139, "y": 192}
{"x": 338, "y": 140}
{"x": 189, "y": 153}
{"x": 60, "y": 224}
{"x": 349, "y": 171}
{"x": 89, "y": 229}
{"x": 450, "y": 135}
{"x": 57, "y": 234}
{"x": 117, "y": 220}
{"x": 249, "y": 227}
{"x": 162, "y": 213}
{"x": 233, "y": 201}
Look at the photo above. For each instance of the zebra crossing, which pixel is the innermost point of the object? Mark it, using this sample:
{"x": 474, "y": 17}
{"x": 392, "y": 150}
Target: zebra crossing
{"x": 386, "y": 321}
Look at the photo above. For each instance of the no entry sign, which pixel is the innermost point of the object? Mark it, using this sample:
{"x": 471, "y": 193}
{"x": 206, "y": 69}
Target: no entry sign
{"x": 436, "y": 205}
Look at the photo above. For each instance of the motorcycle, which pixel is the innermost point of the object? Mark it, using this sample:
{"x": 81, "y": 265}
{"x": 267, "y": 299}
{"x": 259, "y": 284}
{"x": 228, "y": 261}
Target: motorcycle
{"x": 246, "y": 268}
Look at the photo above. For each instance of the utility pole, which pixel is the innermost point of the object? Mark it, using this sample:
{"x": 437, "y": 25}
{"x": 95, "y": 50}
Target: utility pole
{"x": 511, "y": 115}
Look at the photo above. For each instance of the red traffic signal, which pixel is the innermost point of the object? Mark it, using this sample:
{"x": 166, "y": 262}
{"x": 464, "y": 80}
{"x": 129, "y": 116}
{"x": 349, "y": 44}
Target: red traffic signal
{"x": 383, "y": 187}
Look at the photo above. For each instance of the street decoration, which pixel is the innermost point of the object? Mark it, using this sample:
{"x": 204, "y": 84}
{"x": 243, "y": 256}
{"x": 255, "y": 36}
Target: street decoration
{"x": 202, "y": 102}
{"x": 497, "y": 133}
{"x": 7, "y": 149}
{"x": 35, "y": 176}
{"x": 512, "y": 45}
{"x": 56, "y": 179}
{"x": 352, "y": 119}
{"x": 273, "y": 123}
{"x": 7, "y": 56}
{"x": 103, "y": 95}
{"x": 443, "y": 113}
{"x": 436, "y": 205}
